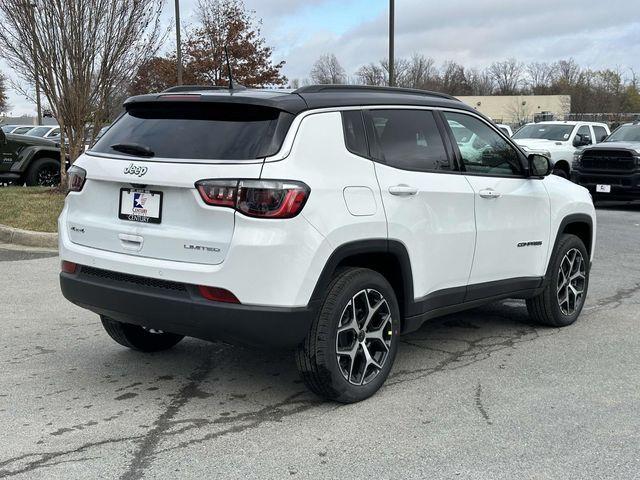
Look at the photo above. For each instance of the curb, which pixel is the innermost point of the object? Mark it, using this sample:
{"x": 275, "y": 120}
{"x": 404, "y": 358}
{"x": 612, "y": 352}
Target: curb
{"x": 28, "y": 238}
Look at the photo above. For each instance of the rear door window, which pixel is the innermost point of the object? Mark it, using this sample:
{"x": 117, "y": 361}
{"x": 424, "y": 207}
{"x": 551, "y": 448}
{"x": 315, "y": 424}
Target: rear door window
{"x": 409, "y": 139}
{"x": 202, "y": 131}
{"x": 600, "y": 132}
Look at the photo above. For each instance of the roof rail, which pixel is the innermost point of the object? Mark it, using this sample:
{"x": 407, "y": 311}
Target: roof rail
{"x": 193, "y": 88}
{"x": 371, "y": 88}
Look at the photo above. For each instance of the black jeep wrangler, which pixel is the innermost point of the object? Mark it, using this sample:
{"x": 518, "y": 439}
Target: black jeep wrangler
{"x": 31, "y": 160}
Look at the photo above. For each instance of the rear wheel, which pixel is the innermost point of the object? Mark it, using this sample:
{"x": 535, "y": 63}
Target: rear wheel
{"x": 139, "y": 338}
{"x": 562, "y": 300}
{"x": 352, "y": 343}
{"x": 43, "y": 172}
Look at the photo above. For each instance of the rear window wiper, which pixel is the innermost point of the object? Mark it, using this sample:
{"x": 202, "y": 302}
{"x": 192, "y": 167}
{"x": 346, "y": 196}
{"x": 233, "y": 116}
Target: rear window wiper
{"x": 133, "y": 149}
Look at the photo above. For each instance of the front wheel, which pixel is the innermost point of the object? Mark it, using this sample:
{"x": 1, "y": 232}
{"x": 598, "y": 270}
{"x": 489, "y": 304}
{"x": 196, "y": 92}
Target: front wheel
{"x": 139, "y": 338}
{"x": 353, "y": 340}
{"x": 561, "y": 172}
{"x": 562, "y": 300}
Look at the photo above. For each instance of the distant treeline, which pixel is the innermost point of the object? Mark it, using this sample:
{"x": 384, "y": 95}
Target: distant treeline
{"x": 607, "y": 90}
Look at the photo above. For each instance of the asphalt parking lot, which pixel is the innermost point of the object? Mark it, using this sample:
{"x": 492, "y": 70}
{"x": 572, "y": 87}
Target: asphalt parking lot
{"x": 480, "y": 395}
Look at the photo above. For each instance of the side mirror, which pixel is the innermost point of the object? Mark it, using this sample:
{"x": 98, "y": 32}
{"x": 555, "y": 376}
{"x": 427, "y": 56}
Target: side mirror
{"x": 539, "y": 165}
{"x": 581, "y": 140}
{"x": 3, "y": 137}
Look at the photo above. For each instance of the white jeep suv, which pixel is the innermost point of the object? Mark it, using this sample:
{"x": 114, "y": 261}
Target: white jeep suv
{"x": 329, "y": 219}
{"x": 562, "y": 141}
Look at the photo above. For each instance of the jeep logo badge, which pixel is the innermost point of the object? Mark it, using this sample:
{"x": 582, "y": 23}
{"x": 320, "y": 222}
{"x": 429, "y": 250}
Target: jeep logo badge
{"x": 135, "y": 170}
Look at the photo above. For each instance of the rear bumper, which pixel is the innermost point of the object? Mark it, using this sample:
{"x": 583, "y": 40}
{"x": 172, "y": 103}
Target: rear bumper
{"x": 624, "y": 186}
{"x": 178, "y": 308}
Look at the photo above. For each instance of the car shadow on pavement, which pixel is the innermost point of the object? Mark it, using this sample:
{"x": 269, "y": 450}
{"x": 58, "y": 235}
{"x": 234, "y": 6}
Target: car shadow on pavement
{"x": 229, "y": 373}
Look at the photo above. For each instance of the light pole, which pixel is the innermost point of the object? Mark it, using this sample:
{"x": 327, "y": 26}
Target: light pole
{"x": 392, "y": 79}
{"x": 36, "y": 67}
{"x": 178, "y": 43}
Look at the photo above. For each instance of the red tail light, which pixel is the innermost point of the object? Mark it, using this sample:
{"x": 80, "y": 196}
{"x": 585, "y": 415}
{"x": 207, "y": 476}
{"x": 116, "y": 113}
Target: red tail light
{"x": 68, "y": 267}
{"x": 256, "y": 198}
{"x": 217, "y": 294}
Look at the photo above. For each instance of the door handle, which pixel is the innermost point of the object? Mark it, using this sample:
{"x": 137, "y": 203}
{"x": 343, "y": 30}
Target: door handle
{"x": 489, "y": 193}
{"x": 402, "y": 190}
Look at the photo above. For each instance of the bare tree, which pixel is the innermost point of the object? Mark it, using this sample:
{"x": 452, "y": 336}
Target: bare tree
{"x": 400, "y": 68}
{"x": 540, "y": 75}
{"x": 454, "y": 79}
{"x": 421, "y": 72}
{"x": 85, "y": 51}
{"x": 371, "y": 74}
{"x": 519, "y": 111}
{"x": 566, "y": 72}
{"x": 507, "y": 75}
{"x": 480, "y": 82}
{"x": 327, "y": 70}
{"x": 4, "y": 105}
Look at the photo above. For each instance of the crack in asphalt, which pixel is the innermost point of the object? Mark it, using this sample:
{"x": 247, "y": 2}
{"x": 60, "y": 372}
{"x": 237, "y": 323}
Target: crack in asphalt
{"x": 46, "y": 457}
{"x": 474, "y": 351}
{"x": 616, "y": 299}
{"x": 144, "y": 453}
{"x": 480, "y": 406}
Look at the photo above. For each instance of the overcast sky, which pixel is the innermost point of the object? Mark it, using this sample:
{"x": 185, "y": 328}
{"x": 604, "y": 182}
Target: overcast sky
{"x": 472, "y": 32}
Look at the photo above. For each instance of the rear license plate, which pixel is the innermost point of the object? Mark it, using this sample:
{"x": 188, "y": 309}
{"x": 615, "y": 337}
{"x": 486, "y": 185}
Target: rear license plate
{"x": 142, "y": 206}
{"x": 603, "y": 188}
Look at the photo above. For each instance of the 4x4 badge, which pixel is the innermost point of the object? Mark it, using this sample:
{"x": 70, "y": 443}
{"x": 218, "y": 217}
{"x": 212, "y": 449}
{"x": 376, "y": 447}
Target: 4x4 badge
{"x": 135, "y": 170}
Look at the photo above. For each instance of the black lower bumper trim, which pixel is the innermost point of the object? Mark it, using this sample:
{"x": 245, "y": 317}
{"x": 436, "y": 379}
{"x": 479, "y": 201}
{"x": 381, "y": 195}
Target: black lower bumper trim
{"x": 182, "y": 311}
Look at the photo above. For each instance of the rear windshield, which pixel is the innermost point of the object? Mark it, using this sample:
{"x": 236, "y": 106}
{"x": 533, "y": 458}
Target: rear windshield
{"x": 202, "y": 131}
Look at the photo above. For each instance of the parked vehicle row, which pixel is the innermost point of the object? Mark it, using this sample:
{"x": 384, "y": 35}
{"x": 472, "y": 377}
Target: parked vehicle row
{"x": 330, "y": 219}
{"x": 51, "y": 132}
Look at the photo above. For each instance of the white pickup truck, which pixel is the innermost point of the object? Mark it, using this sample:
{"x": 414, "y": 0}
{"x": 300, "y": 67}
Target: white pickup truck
{"x": 561, "y": 140}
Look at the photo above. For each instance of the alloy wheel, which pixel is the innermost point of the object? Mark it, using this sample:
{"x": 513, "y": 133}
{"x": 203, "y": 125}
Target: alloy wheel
{"x": 363, "y": 341}
{"x": 571, "y": 282}
{"x": 49, "y": 177}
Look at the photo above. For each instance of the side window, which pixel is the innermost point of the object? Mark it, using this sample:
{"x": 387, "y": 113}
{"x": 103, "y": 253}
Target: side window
{"x": 482, "y": 149}
{"x": 600, "y": 132}
{"x": 354, "y": 136}
{"x": 583, "y": 136}
{"x": 409, "y": 139}
{"x": 54, "y": 133}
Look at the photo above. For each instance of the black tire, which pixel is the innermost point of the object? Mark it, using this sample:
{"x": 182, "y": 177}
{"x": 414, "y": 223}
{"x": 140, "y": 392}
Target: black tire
{"x": 43, "y": 172}
{"x": 137, "y": 338}
{"x": 316, "y": 357}
{"x": 546, "y": 308}
{"x": 560, "y": 172}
